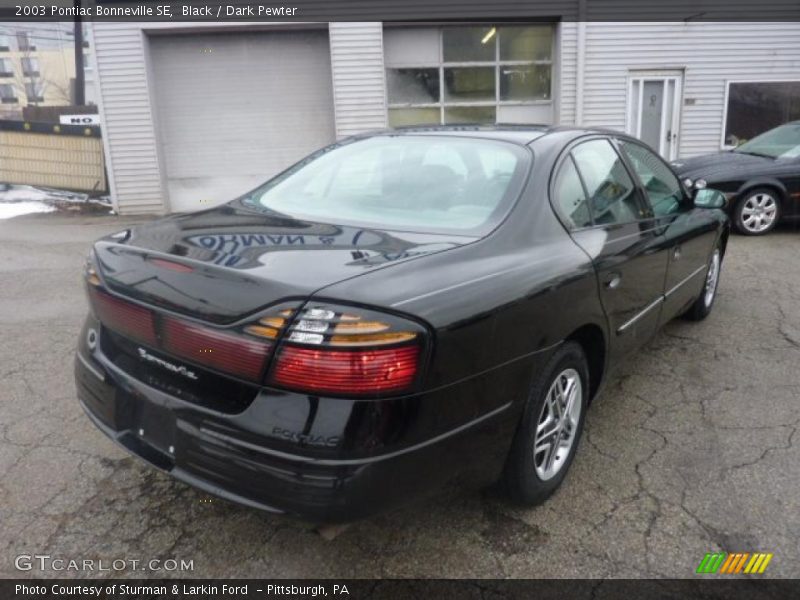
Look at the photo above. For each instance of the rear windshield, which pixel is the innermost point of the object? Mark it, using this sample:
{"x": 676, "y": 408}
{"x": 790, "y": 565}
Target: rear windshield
{"x": 405, "y": 182}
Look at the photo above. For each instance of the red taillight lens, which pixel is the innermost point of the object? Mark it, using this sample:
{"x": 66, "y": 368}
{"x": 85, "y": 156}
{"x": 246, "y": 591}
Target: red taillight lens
{"x": 346, "y": 372}
{"x": 129, "y": 319}
{"x": 348, "y": 350}
{"x": 225, "y": 352}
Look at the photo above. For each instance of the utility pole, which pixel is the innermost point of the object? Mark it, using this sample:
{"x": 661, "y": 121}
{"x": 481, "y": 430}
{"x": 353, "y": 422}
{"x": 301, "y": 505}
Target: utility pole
{"x": 80, "y": 80}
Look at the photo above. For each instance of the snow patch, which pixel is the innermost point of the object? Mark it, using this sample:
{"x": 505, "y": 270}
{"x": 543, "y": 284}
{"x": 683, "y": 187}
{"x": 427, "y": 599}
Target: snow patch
{"x": 16, "y": 200}
{"x": 16, "y": 209}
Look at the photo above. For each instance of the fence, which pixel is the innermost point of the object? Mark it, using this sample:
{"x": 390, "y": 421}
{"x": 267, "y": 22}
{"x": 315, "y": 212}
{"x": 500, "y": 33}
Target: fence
{"x": 59, "y": 156}
{"x": 51, "y": 114}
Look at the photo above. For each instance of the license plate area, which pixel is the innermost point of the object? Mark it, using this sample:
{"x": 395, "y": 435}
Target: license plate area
{"x": 155, "y": 426}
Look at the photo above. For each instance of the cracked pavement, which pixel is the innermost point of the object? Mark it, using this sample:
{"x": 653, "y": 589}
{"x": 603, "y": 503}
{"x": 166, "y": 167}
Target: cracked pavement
{"x": 691, "y": 448}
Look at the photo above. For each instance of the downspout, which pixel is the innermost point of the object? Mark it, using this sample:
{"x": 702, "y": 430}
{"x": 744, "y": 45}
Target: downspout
{"x": 580, "y": 66}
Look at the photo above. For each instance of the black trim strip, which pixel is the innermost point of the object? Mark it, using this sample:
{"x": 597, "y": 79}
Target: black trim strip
{"x": 35, "y": 127}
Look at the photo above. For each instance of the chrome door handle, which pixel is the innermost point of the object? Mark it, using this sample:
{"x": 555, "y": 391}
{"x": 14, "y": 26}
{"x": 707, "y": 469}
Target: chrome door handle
{"x": 676, "y": 253}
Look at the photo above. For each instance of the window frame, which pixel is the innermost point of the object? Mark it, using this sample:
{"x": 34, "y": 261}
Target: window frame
{"x": 563, "y": 217}
{"x": 617, "y": 143}
{"x": 37, "y": 89}
{"x": 33, "y": 63}
{"x": 496, "y": 64}
{"x": 13, "y": 98}
{"x": 726, "y": 100}
{"x": 27, "y": 46}
{"x": 645, "y": 212}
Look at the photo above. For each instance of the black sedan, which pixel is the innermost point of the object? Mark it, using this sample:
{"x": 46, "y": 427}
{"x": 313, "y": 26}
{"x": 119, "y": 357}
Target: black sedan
{"x": 396, "y": 312}
{"x": 761, "y": 178}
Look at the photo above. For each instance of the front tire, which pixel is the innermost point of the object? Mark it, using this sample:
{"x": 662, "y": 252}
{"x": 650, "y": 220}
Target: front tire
{"x": 757, "y": 212}
{"x": 703, "y": 305}
{"x": 548, "y": 435}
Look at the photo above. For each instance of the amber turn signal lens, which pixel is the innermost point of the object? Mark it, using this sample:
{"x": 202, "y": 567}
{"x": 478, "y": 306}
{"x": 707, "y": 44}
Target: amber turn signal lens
{"x": 261, "y": 331}
{"x": 91, "y": 277}
{"x": 374, "y": 339}
{"x": 276, "y": 322}
{"x": 360, "y": 327}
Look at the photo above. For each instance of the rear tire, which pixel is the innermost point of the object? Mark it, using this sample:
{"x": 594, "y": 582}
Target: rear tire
{"x": 549, "y": 432}
{"x": 703, "y": 305}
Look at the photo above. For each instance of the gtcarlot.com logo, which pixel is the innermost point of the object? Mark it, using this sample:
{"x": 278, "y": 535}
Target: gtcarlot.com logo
{"x": 734, "y": 563}
{"x": 45, "y": 562}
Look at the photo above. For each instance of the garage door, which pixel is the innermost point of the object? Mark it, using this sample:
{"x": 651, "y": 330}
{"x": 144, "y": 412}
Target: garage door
{"x": 234, "y": 109}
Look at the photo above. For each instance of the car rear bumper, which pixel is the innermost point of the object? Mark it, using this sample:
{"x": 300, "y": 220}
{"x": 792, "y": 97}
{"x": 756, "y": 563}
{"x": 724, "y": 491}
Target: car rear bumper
{"x": 323, "y": 459}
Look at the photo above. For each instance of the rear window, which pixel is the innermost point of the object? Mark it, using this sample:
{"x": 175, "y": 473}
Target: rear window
{"x": 418, "y": 183}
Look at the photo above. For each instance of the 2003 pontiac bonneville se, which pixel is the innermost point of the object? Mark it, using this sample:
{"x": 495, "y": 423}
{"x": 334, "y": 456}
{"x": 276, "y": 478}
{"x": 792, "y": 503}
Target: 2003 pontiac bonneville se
{"x": 396, "y": 311}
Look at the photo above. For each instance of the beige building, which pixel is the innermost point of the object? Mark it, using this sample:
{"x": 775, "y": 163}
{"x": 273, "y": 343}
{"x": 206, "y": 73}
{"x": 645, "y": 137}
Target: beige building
{"x": 37, "y": 67}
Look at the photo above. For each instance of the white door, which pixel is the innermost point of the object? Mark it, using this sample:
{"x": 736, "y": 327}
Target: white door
{"x": 234, "y": 109}
{"x": 654, "y": 101}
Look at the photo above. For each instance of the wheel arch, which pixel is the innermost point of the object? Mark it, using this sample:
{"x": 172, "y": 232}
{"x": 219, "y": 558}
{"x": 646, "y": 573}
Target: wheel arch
{"x": 593, "y": 341}
{"x": 772, "y": 184}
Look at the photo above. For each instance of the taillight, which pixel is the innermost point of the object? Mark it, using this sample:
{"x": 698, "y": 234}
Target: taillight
{"x": 324, "y": 349}
{"x": 346, "y": 371}
{"x": 348, "y": 351}
{"x": 131, "y": 320}
{"x": 226, "y": 352}
{"x": 230, "y": 351}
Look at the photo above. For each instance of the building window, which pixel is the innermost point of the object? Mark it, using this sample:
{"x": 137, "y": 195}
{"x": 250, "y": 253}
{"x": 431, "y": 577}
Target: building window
{"x": 754, "y": 107}
{"x": 7, "y": 94}
{"x": 30, "y": 66}
{"x": 5, "y": 43}
{"x": 34, "y": 91}
{"x": 469, "y": 74}
{"x": 6, "y": 70}
{"x": 87, "y": 61}
{"x": 24, "y": 42}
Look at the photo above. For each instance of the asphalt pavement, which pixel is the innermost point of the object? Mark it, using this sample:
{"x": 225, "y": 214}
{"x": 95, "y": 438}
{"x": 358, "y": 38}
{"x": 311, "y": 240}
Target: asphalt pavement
{"x": 692, "y": 448}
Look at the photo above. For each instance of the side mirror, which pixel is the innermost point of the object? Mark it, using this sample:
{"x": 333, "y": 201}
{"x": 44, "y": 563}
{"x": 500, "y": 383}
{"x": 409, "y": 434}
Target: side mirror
{"x": 708, "y": 198}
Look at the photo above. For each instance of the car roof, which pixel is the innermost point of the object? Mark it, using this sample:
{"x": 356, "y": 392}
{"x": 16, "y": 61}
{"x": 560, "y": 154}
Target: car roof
{"x": 522, "y": 134}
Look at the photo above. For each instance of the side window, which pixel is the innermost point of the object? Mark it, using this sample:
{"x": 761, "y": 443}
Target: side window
{"x": 663, "y": 189}
{"x": 569, "y": 195}
{"x": 612, "y": 194}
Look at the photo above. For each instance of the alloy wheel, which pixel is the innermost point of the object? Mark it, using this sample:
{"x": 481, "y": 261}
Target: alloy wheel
{"x": 712, "y": 278}
{"x": 759, "y": 212}
{"x": 558, "y": 423}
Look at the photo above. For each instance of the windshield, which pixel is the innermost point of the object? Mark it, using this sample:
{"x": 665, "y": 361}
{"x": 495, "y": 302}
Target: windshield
{"x": 781, "y": 142}
{"x": 418, "y": 183}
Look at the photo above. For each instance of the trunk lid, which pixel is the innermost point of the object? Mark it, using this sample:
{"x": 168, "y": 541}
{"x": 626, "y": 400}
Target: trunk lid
{"x": 223, "y": 264}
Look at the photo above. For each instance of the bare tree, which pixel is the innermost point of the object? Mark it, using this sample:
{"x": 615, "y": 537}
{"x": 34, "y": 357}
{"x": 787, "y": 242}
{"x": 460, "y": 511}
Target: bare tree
{"x": 40, "y": 79}
{"x": 27, "y": 75}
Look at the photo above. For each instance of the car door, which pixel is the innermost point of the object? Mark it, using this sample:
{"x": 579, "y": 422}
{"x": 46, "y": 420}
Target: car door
{"x": 621, "y": 239}
{"x": 689, "y": 233}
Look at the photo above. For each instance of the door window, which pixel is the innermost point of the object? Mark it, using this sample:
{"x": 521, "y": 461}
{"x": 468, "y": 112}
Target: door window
{"x": 612, "y": 194}
{"x": 663, "y": 189}
{"x": 570, "y": 197}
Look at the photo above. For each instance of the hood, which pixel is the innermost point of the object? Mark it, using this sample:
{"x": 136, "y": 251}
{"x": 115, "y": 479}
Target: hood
{"x": 224, "y": 263}
{"x": 721, "y": 166}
